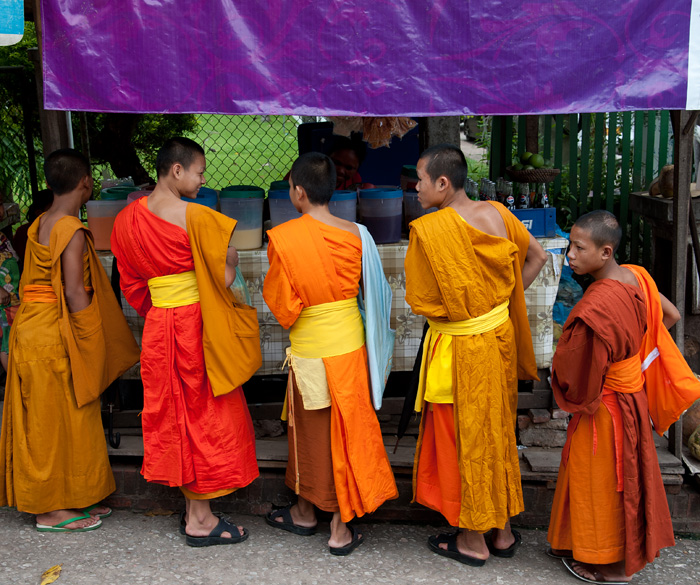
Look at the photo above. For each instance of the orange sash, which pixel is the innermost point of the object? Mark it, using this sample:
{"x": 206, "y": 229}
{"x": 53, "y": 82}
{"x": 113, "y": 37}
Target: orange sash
{"x": 42, "y": 293}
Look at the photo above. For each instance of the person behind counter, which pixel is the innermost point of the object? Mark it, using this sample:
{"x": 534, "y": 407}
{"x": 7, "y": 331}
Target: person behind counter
{"x": 70, "y": 340}
{"x": 176, "y": 264}
{"x": 337, "y": 460}
{"x": 610, "y": 514}
{"x": 467, "y": 266}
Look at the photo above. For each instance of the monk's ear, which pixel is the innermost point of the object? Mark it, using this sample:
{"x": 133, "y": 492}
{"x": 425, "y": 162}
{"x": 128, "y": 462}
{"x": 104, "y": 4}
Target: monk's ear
{"x": 442, "y": 183}
{"x": 606, "y": 252}
{"x": 300, "y": 193}
{"x": 176, "y": 170}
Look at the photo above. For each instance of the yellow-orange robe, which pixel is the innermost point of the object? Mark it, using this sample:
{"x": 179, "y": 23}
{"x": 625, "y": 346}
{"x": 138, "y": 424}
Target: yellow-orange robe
{"x": 361, "y": 478}
{"x": 610, "y": 504}
{"x": 468, "y": 470}
{"x": 53, "y": 453}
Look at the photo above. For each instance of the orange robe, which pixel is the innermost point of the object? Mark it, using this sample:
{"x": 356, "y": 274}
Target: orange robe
{"x": 466, "y": 463}
{"x": 192, "y": 438}
{"x": 361, "y": 478}
{"x": 610, "y": 504}
{"x": 53, "y": 453}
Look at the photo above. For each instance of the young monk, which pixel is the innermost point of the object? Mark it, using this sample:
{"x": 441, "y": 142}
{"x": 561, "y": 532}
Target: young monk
{"x": 69, "y": 341}
{"x": 466, "y": 268}
{"x": 176, "y": 264}
{"x": 337, "y": 459}
{"x": 615, "y": 367}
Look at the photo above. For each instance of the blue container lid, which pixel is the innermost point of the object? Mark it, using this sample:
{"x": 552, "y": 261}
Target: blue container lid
{"x": 278, "y": 185}
{"x": 279, "y": 194}
{"x": 242, "y": 192}
{"x": 344, "y": 195}
{"x": 381, "y": 193}
{"x": 205, "y": 192}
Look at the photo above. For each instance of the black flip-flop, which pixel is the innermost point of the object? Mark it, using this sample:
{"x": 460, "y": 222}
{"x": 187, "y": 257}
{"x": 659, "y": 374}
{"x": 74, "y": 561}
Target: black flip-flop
{"x": 452, "y": 551}
{"x": 343, "y": 551}
{"x": 287, "y": 522}
{"x": 505, "y": 553}
{"x": 569, "y": 564}
{"x": 215, "y": 535}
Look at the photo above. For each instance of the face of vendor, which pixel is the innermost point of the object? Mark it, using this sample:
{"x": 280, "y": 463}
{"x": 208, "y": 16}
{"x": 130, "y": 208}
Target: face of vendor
{"x": 346, "y": 165}
{"x": 584, "y": 256}
{"x": 430, "y": 194}
{"x": 192, "y": 178}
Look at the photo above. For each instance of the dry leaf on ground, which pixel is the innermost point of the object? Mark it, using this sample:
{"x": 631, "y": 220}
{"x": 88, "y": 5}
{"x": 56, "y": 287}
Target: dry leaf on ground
{"x": 50, "y": 575}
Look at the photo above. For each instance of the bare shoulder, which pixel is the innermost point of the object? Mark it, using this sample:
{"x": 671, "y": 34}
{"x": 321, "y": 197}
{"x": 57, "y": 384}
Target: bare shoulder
{"x": 342, "y": 224}
{"x": 484, "y": 217}
{"x": 628, "y": 277}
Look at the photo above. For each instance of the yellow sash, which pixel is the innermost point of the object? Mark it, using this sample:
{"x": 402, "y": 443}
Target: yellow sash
{"x": 321, "y": 331}
{"x": 174, "y": 290}
{"x": 435, "y": 384}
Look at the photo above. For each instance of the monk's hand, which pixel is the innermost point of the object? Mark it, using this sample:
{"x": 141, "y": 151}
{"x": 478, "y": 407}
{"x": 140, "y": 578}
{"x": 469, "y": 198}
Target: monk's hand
{"x": 232, "y": 257}
{"x": 4, "y": 297}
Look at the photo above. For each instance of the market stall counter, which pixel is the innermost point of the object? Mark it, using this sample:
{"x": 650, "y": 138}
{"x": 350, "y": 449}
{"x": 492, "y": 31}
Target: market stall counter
{"x": 409, "y": 327}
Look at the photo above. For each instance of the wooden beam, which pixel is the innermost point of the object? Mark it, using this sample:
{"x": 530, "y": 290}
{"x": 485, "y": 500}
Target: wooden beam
{"x": 532, "y": 134}
{"x": 683, "y": 147}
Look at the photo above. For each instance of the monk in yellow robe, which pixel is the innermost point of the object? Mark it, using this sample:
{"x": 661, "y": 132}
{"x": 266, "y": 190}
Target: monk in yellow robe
{"x": 616, "y": 369}
{"x": 337, "y": 459}
{"x": 69, "y": 341}
{"x": 466, "y": 268}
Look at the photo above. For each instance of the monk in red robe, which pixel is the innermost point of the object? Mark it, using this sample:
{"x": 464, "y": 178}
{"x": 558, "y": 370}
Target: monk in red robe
{"x": 176, "y": 265}
{"x": 615, "y": 368}
{"x": 337, "y": 459}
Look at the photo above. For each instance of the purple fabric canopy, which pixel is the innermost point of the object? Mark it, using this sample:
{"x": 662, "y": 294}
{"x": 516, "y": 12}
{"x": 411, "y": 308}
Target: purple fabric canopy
{"x": 368, "y": 58}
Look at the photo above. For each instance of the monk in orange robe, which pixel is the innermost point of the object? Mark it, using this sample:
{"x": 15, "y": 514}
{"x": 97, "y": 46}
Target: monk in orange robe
{"x": 176, "y": 265}
{"x": 69, "y": 341}
{"x": 337, "y": 459}
{"x": 466, "y": 268}
{"x": 615, "y": 367}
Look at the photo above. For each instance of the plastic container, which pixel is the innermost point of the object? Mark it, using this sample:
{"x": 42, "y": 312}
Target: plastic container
{"x": 382, "y": 214}
{"x": 100, "y": 217}
{"x": 207, "y": 197}
{"x": 412, "y": 208}
{"x": 539, "y": 221}
{"x": 117, "y": 193}
{"x": 134, "y": 195}
{"x": 279, "y": 185}
{"x": 409, "y": 177}
{"x": 343, "y": 204}
{"x": 281, "y": 207}
{"x": 245, "y": 204}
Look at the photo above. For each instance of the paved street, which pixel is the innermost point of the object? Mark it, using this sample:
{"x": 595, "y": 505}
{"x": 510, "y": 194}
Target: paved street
{"x": 136, "y": 549}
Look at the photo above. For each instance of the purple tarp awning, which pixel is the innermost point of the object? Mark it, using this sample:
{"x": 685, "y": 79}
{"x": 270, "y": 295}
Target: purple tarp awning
{"x": 371, "y": 57}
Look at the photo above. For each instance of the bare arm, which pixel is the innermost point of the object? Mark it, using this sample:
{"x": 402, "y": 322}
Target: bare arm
{"x": 231, "y": 263}
{"x": 671, "y": 313}
{"x": 77, "y": 297}
{"x": 534, "y": 261}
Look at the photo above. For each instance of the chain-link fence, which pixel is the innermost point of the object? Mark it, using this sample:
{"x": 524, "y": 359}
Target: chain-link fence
{"x": 247, "y": 150}
{"x": 18, "y": 167}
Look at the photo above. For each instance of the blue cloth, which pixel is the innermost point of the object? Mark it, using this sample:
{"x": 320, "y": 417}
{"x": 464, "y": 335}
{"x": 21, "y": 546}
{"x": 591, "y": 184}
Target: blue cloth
{"x": 375, "y": 307}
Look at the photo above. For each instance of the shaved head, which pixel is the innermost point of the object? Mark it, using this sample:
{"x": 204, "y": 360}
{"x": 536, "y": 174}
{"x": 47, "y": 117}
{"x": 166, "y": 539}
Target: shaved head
{"x": 603, "y": 228}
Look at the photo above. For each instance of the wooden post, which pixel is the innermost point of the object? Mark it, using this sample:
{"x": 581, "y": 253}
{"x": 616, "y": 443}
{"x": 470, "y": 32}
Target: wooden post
{"x": 438, "y": 130}
{"x": 683, "y": 150}
{"x": 532, "y": 134}
{"x": 54, "y": 124}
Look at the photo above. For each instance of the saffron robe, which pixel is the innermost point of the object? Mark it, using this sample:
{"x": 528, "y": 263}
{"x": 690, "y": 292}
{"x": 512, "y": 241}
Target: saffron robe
{"x": 361, "y": 477}
{"x": 623, "y": 514}
{"x": 192, "y": 438}
{"x": 456, "y": 272}
{"x": 53, "y": 453}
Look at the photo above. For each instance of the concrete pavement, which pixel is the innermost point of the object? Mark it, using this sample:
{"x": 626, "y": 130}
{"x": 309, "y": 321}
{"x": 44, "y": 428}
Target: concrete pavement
{"x": 132, "y": 548}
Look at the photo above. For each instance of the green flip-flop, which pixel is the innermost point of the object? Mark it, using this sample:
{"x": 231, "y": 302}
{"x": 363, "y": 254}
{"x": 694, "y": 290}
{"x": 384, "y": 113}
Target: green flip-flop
{"x": 89, "y": 510}
{"x": 60, "y": 527}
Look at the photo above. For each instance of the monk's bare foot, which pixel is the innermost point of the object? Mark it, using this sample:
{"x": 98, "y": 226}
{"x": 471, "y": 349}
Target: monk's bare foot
{"x": 97, "y": 511}
{"x": 602, "y": 573}
{"x": 304, "y": 516}
{"x": 471, "y": 544}
{"x": 341, "y": 536}
{"x": 202, "y": 526}
{"x": 502, "y": 539}
{"x": 58, "y": 516}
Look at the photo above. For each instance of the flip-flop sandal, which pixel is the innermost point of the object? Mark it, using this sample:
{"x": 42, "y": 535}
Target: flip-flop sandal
{"x": 287, "y": 522}
{"x": 505, "y": 553}
{"x": 343, "y": 551}
{"x": 452, "y": 551}
{"x": 215, "y": 537}
{"x": 550, "y": 553}
{"x": 89, "y": 510}
{"x": 60, "y": 527}
{"x": 568, "y": 563}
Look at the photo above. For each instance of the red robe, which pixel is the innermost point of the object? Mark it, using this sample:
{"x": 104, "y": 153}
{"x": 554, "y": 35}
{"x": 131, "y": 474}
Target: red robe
{"x": 191, "y": 438}
{"x": 610, "y": 503}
